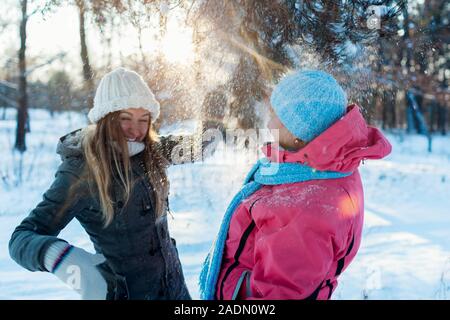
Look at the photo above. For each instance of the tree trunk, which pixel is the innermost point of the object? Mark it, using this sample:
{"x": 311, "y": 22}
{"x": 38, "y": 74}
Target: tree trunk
{"x": 22, "y": 102}
{"x": 407, "y": 42}
{"x": 407, "y": 49}
{"x": 88, "y": 75}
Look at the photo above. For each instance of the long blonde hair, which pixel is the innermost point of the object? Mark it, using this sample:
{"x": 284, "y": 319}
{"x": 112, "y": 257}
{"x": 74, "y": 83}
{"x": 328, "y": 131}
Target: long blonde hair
{"x": 106, "y": 152}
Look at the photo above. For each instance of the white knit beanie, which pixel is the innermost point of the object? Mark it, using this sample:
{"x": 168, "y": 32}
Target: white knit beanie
{"x": 121, "y": 89}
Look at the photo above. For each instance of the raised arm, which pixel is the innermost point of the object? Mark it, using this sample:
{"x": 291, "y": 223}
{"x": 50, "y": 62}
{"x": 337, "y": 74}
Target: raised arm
{"x": 179, "y": 149}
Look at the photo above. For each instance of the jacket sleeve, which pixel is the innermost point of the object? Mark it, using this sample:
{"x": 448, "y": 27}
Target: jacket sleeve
{"x": 181, "y": 149}
{"x": 40, "y": 229}
{"x": 291, "y": 261}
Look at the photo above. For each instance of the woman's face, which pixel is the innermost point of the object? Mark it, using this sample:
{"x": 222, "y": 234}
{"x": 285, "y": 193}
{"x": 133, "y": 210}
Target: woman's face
{"x": 135, "y": 123}
{"x": 285, "y": 138}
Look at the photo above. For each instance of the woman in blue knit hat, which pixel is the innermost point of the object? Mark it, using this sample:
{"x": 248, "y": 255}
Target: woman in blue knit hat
{"x": 296, "y": 223}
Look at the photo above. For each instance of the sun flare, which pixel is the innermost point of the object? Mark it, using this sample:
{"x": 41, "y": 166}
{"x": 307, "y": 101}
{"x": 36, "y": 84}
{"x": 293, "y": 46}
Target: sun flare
{"x": 177, "y": 44}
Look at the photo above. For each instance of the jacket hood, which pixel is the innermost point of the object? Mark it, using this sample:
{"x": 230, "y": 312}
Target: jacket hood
{"x": 70, "y": 145}
{"x": 340, "y": 148}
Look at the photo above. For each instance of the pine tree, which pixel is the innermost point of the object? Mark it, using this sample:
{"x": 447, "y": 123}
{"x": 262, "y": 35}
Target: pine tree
{"x": 262, "y": 34}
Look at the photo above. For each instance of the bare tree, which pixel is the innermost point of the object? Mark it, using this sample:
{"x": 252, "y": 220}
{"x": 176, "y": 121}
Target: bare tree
{"x": 88, "y": 75}
{"x": 23, "y": 120}
{"x": 83, "y": 7}
{"x": 22, "y": 112}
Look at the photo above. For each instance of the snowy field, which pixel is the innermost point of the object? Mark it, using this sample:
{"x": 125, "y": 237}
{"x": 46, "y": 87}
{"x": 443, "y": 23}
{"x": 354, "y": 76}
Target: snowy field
{"x": 405, "y": 250}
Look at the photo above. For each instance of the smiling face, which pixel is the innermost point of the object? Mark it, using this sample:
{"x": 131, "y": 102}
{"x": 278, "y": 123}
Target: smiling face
{"x": 135, "y": 123}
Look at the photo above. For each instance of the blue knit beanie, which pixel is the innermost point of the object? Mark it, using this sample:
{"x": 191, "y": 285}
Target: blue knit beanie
{"x": 308, "y": 102}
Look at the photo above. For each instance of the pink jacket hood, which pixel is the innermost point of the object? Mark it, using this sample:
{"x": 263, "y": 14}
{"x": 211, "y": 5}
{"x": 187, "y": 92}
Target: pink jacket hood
{"x": 340, "y": 148}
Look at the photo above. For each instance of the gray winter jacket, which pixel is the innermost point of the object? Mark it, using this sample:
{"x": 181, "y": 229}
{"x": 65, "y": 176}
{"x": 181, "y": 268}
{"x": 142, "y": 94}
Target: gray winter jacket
{"x": 141, "y": 259}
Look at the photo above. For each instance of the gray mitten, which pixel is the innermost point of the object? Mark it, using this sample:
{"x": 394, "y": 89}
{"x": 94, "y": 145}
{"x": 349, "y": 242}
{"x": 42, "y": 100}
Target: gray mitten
{"x": 78, "y": 269}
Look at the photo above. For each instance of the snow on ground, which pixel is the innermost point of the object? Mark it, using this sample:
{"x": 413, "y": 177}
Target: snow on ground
{"x": 405, "y": 251}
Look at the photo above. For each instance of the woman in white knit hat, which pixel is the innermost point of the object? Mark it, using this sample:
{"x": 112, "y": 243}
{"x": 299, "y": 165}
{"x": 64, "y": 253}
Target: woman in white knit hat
{"x": 113, "y": 181}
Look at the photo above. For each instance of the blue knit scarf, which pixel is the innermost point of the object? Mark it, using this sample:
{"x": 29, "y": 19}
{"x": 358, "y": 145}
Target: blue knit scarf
{"x": 262, "y": 173}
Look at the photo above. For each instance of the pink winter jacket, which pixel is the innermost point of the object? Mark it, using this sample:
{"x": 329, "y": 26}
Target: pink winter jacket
{"x": 292, "y": 241}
